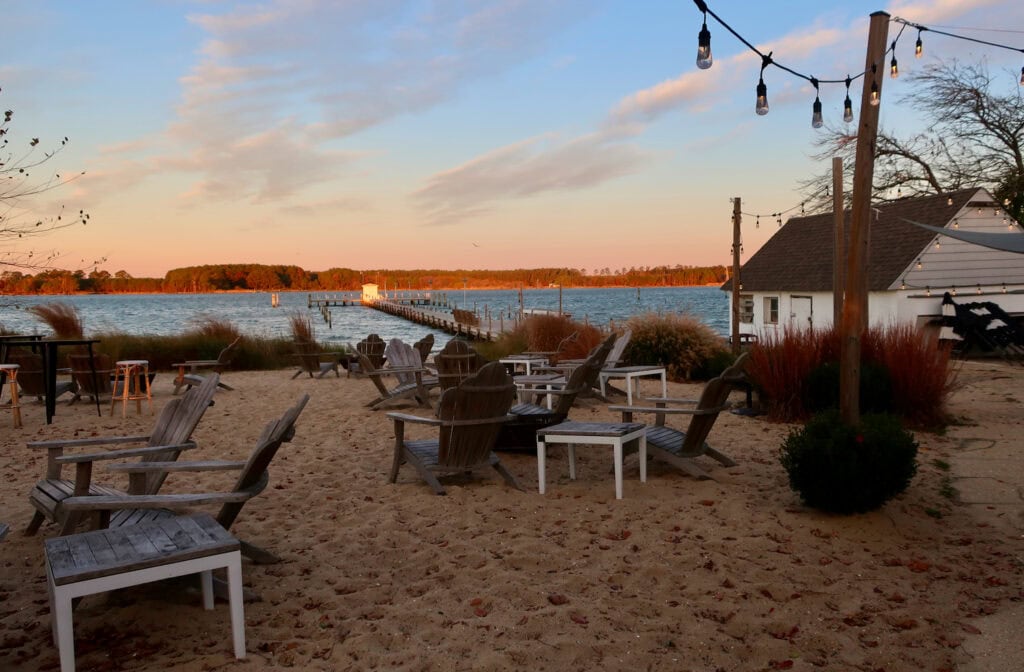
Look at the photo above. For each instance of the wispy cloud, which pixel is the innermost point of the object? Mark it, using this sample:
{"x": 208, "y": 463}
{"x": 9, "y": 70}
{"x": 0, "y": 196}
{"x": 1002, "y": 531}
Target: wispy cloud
{"x": 526, "y": 168}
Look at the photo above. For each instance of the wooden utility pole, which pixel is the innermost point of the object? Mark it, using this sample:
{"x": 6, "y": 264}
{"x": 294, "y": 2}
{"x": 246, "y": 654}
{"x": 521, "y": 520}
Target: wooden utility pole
{"x": 736, "y": 218}
{"x": 839, "y": 244}
{"x": 855, "y": 317}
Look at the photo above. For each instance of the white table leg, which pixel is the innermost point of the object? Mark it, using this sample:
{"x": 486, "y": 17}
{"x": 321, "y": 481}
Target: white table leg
{"x": 206, "y": 581}
{"x": 664, "y": 384}
{"x": 541, "y": 455}
{"x": 236, "y": 605}
{"x": 642, "y": 453}
{"x": 629, "y": 390}
{"x": 618, "y": 468}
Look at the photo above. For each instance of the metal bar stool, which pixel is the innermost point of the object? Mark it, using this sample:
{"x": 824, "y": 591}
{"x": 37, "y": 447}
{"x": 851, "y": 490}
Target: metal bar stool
{"x": 129, "y": 372}
{"x": 11, "y": 371}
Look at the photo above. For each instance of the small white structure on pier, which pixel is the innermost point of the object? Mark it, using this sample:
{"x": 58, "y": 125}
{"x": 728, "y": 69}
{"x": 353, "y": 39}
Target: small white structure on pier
{"x": 370, "y": 293}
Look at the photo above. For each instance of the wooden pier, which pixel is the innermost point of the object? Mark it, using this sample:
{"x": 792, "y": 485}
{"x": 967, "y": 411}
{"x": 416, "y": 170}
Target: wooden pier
{"x": 426, "y": 308}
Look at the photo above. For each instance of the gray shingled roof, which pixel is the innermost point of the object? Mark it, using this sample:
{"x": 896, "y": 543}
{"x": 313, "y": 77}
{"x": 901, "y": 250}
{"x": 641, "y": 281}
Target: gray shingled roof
{"x": 799, "y": 256}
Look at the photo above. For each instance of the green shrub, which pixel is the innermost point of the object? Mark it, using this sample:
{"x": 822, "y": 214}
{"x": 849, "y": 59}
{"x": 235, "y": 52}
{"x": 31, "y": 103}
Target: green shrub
{"x": 843, "y": 469}
{"x": 822, "y": 389}
{"x": 681, "y": 343}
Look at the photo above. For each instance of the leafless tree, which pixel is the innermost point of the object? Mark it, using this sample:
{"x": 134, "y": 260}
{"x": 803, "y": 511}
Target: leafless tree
{"x": 974, "y": 138}
{"x": 19, "y": 187}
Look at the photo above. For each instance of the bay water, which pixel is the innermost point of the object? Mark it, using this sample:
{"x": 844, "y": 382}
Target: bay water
{"x": 254, "y": 315}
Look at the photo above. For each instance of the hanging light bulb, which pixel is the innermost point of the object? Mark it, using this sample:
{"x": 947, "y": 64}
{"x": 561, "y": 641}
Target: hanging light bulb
{"x": 847, "y": 104}
{"x": 954, "y": 290}
{"x": 757, "y": 222}
{"x": 927, "y": 290}
{"x": 704, "y": 59}
{"x": 979, "y": 289}
{"x": 903, "y": 283}
{"x": 875, "y": 98}
{"x": 949, "y": 200}
{"x": 956, "y": 223}
{"x": 919, "y": 264}
{"x": 894, "y": 68}
{"x": 1022, "y": 76}
{"x": 762, "y": 98}
{"x": 816, "y": 120}
{"x": 918, "y": 47}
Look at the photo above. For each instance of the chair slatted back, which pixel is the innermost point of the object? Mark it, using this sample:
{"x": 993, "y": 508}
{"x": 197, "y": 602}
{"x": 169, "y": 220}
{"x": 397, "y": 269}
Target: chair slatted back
{"x": 424, "y": 346}
{"x": 254, "y": 476}
{"x": 472, "y": 415}
{"x": 372, "y": 347}
{"x": 400, "y": 354}
{"x": 713, "y": 397}
{"x": 30, "y": 372}
{"x": 175, "y": 424}
{"x": 456, "y": 362}
{"x": 81, "y": 371}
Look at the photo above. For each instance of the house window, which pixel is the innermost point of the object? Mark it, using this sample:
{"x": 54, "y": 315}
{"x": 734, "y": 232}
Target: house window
{"x": 771, "y": 310}
{"x": 746, "y": 309}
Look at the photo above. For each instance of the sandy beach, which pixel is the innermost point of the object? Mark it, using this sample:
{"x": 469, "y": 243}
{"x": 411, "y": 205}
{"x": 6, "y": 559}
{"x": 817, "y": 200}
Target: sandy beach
{"x": 725, "y": 574}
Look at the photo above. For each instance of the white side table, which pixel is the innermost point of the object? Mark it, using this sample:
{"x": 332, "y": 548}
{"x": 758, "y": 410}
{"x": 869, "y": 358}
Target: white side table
{"x": 103, "y": 560}
{"x": 614, "y": 434}
{"x": 632, "y": 374}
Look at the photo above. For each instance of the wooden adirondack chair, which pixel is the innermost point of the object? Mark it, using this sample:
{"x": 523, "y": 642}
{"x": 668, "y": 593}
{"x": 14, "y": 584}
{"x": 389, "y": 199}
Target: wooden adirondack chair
{"x": 31, "y": 376}
{"x": 312, "y": 361}
{"x": 372, "y": 347}
{"x": 456, "y": 362}
{"x": 404, "y": 360}
{"x": 169, "y": 437}
{"x": 521, "y": 431}
{"x": 191, "y": 377}
{"x": 81, "y": 373}
{"x": 124, "y": 509}
{"x": 468, "y": 421}
{"x": 680, "y": 448}
{"x": 418, "y": 388}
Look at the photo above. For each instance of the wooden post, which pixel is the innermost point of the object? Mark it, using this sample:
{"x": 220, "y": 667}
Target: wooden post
{"x": 855, "y": 317}
{"x": 838, "y": 244}
{"x": 736, "y": 218}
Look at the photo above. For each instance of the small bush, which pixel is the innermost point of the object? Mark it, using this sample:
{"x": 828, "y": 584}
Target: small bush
{"x": 62, "y": 317}
{"x": 544, "y": 333}
{"x": 681, "y": 343}
{"x": 842, "y": 469}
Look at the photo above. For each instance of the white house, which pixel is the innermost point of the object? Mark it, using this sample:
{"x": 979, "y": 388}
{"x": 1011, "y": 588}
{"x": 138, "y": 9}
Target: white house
{"x": 370, "y": 293}
{"x": 788, "y": 282}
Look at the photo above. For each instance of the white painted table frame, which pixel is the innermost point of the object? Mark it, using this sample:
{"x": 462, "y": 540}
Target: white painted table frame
{"x": 616, "y": 442}
{"x": 527, "y": 362}
{"x": 632, "y": 376}
{"x": 61, "y": 596}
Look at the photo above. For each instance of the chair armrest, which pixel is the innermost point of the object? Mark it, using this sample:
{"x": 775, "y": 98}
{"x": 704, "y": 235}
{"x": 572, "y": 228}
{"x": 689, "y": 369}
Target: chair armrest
{"x": 115, "y": 502}
{"x": 151, "y": 467}
{"x": 406, "y": 417}
{"x": 670, "y": 411}
{"x": 92, "y": 441}
{"x": 118, "y": 454}
{"x": 476, "y": 421}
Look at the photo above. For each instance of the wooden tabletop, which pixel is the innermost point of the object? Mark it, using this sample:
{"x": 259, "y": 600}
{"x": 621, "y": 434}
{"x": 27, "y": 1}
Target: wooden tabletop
{"x": 591, "y": 428}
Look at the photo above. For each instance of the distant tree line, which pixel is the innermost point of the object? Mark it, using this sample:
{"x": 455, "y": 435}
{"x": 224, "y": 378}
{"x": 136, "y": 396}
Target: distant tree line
{"x": 259, "y": 277}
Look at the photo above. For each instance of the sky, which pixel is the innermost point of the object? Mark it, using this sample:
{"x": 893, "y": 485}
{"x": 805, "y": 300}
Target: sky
{"x": 449, "y": 134}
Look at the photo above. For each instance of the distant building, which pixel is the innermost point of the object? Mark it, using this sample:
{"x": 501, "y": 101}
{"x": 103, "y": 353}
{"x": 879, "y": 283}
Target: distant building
{"x": 370, "y": 292}
{"x": 788, "y": 282}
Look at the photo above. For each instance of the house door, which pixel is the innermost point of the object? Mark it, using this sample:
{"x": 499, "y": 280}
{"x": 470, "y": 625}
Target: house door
{"x": 801, "y": 312}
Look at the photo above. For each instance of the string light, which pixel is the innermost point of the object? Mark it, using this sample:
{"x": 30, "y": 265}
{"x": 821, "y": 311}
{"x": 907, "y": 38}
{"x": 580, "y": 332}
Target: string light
{"x": 894, "y": 68}
{"x": 875, "y": 97}
{"x": 816, "y": 120}
{"x": 919, "y": 264}
{"x": 956, "y": 223}
{"x": 704, "y": 59}
{"x": 949, "y": 200}
{"x": 918, "y": 46}
{"x": 848, "y": 104}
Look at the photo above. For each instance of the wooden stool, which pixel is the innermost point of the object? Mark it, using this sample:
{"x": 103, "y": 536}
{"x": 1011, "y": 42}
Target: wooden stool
{"x": 103, "y": 560}
{"x": 11, "y": 370}
{"x": 129, "y": 372}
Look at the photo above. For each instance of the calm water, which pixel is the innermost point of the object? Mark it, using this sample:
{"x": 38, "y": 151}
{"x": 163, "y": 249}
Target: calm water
{"x": 165, "y": 314}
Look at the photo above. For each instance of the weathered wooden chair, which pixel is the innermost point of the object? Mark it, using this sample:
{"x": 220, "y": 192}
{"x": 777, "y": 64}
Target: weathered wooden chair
{"x": 681, "y": 448}
{"x": 404, "y": 360}
{"x": 372, "y": 347}
{"x": 119, "y": 510}
{"x": 314, "y": 361}
{"x": 416, "y": 387}
{"x": 521, "y": 431}
{"x": 169, "y": 437}
{"x": 191, "y": 377}
{"x": 468, "y": 420}
{"x": 424, "y": 346}
{"x": 457, "y": 361}
{"x": 31, "y": 377}
{"x": 82, "y": 374}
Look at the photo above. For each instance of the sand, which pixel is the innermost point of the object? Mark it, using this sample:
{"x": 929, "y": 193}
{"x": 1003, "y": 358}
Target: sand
{"x": 725, "y": 574}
